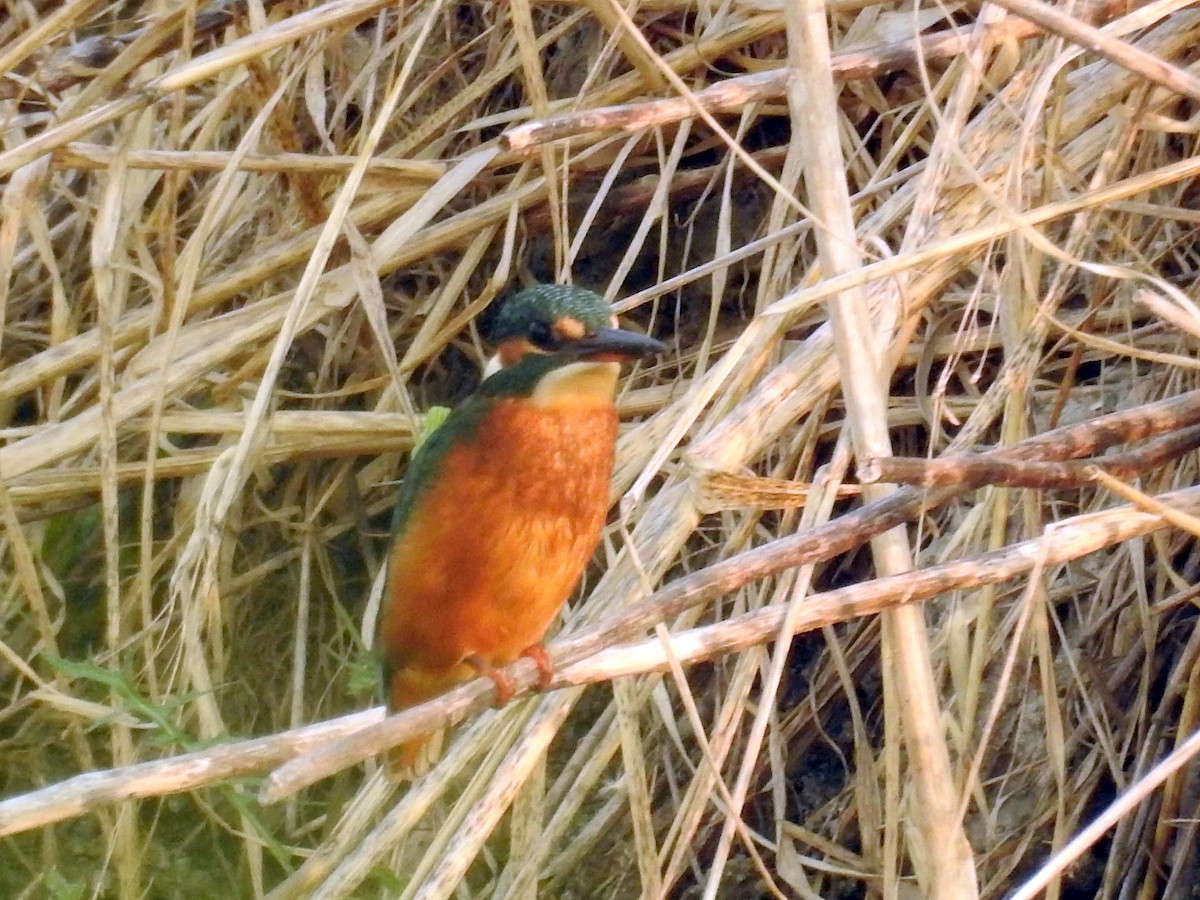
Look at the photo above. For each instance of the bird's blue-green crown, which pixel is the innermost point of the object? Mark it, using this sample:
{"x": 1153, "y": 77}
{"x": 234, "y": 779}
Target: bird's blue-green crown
{"x": 532, "y": 312}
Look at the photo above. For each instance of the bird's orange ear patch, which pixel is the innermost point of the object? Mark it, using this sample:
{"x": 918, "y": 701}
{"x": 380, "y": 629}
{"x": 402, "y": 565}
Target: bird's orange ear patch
{"x": 568, "y": 328}
{"x": 513, "y": 351}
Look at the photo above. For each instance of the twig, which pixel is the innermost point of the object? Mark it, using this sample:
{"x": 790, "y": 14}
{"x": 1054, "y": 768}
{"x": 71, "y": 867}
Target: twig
{"x": 736, "y": 93}
{"x": 81, "y": 794}
{"x": 84, "y": 58}
{"x": 335, "y": 14}
{"x": 1066, "y": 541}
{"x": 83, "y": 155}
{"x": 1073, "y": 538}
{"x": 84, "y": 793}
{"x": 349, "y": 739}
{"x": 1062, "y": 860}
{"x": 1113, "y": 49}
{"x": 812, "y": 546}
{"x": 968, "y": 472}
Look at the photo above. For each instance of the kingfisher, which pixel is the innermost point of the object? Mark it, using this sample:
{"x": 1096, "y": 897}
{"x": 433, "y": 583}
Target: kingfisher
{"x": 503, "y": 505}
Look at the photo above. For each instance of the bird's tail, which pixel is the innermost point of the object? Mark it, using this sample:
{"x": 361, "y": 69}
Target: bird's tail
{"x": 410, "y": 687}
{"x": 412, "y": 759}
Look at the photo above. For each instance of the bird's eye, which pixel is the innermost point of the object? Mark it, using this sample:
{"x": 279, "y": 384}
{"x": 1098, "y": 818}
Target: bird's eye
{"x": 541, "y": 335}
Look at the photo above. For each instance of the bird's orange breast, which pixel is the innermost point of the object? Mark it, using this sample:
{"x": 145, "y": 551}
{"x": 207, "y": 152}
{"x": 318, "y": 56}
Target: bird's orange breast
{"x": 497, "y": 541}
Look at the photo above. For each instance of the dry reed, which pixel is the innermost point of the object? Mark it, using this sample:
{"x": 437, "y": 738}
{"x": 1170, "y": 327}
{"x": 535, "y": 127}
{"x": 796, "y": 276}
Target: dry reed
{"x": 245, "y": 245}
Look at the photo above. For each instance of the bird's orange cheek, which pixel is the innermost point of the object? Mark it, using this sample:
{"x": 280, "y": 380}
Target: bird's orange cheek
{"x": 513, "y": 351}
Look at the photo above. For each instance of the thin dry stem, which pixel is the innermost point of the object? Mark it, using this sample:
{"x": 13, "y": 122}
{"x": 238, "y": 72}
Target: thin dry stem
{"x": 246, "y": 246}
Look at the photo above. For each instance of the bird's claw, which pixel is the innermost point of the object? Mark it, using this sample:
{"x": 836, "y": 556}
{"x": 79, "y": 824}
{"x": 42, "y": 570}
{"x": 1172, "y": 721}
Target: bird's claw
{"x": 504, "y": 684}
{"x": 544, "y": 664}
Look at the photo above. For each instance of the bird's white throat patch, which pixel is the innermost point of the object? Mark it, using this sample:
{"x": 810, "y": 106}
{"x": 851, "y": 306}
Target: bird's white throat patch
{"x": 577, "y": 384}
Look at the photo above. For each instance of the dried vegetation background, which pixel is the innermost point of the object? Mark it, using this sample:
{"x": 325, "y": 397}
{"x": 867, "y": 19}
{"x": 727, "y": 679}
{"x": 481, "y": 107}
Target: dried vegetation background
{"x": 243, "y": 247}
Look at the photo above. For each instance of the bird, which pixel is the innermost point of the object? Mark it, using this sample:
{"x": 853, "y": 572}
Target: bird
{"x": 503, "y": 505}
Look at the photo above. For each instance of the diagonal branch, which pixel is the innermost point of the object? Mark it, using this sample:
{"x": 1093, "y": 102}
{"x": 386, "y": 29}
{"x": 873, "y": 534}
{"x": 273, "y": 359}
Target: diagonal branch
{"x": 338, "y": 743}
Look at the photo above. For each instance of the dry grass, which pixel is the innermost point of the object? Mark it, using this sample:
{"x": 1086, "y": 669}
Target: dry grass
{"x": 244, "y": 245}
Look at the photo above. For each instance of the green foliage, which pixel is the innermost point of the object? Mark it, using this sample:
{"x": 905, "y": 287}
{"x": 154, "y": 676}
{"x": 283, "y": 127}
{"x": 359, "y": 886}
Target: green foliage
{"x": 119, "y": 685}
{"x": 433, "y": 421}
{"x": 363, "y": 678}
{"x": 59, "y": 887}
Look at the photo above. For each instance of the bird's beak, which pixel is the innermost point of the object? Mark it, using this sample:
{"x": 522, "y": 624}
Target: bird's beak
{"x": 613, "y": 345}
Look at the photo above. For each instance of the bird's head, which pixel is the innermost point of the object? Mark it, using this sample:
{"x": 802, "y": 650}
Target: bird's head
{"x": 563, "y": 321}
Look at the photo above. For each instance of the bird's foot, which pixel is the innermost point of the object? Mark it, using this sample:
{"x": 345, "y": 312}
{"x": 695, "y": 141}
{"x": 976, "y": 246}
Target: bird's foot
{"x": 504, "y": 684}
{"x": 544, "y": 664}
